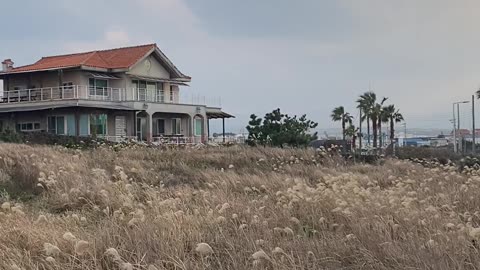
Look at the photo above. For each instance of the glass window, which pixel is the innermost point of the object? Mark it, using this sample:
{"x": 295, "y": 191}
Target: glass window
{"x": 98, "y": 124}
{"x": 60, "y": 125}
{"x": 198, "y": 126}
{"x": 176, "y": 124}
{"x": 28, "y": 126}
{"x": 161, "y": 126}
{"x": 135, "y": 84}
{"x": 98, "y": 87}
{"x": 160, "y": 92}
{"x": 56, "y": 125}
{"x": 171, "y": 93}
{"x": 142, "y": 84}
{"x": 52, "y": 125}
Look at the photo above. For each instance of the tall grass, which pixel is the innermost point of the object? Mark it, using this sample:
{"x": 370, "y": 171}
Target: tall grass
{"x": 246, "y": 208}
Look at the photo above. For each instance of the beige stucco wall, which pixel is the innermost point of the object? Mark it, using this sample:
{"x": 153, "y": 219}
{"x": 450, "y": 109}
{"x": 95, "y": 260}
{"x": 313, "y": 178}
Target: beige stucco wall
{"x": 184, "y": 126}
{"x": 129, "y": 118}
{"x": 9, "y": 120}
{"x": 156, "y": 70}
{"x": 45, "y": 79}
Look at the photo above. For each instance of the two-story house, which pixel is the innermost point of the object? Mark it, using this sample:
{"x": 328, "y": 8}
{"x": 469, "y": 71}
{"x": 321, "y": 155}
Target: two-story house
{"x": 131, "y": 92}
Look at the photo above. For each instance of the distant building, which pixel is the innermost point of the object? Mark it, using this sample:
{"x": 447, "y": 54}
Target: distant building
{"x": 464, "y": 132}
{"x": 423, "y": 142}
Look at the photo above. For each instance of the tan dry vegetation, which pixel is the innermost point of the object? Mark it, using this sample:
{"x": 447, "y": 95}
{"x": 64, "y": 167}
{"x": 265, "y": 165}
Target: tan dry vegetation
{"x": 231, "y": 208}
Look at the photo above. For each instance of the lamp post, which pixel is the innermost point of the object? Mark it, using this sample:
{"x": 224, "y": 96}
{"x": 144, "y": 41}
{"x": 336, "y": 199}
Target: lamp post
{"x": 457, "y": 121}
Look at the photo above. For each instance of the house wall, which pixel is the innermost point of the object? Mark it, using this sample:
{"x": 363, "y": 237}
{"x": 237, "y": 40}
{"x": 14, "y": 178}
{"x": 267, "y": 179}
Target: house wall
{"x": 156, "y": 69}
{"x": 44, "y": 79}
{"x": 184, "y": 126}
{"x": 10, "y": 120}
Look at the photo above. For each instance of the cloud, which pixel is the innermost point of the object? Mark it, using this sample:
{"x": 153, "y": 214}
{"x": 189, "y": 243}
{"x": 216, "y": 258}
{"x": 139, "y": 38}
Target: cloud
{"x": 110, "y": 39}
{"x": 304, "y": 57}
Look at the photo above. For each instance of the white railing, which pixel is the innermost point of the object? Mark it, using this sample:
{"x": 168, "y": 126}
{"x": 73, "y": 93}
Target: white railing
{"x": 178, "y": 140}
{"x": 99, "y": 93}
{"x": 228, "y": 139}
{"x": 118, "y": 138}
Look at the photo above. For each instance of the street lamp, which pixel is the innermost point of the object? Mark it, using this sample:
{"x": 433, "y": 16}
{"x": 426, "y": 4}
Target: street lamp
{"x": 455, "y": 147}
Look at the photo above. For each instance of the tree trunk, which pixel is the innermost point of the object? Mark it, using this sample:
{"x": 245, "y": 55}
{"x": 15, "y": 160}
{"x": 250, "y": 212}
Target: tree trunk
{"x": 392, "y": 130}
{"x": 380, "y": 141}
{"x": 368, "y": 130}
{"x": 343, "y": 129}
{"x": 374, "y": 130}
{"x": 392, "y": 135}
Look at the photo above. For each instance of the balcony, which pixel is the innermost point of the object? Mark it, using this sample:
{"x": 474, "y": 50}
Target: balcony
{"x": 82, "y": 92}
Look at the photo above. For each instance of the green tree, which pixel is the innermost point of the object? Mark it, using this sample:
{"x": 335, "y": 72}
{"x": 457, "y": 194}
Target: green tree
{"x": 340, "y": 115}
{"x": 375, "y": 116}
{"x": 277, "y": 129}
{"x": 352, "y": 132}
{"x": 366, "y": 103}
{"x": 394, "y": 116}
{"x": 383, "y": 118}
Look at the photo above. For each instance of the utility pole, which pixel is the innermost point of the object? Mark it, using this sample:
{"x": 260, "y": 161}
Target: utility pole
{"x": 405, "y": 132}
{"x": 454, "y": 131}
{"x": 473, "y": 124}
{"x": 360, "y": 132}
{"x": 455, "y": 147}
{"x": 460, "y": 137}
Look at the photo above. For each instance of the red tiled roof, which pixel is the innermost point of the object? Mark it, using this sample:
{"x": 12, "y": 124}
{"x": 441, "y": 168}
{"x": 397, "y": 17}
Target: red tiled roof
{"x": 109, "y": 59}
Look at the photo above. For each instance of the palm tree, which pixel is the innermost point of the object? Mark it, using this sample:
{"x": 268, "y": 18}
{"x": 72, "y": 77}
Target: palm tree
{"x": 394, "y": 116}
{"x": 382, "y": 119}
{"x": 352, "y": 132}
{"x": 377, "y": 119}
{"x": 366, "y": 102}
{"x": 339, "y": 114}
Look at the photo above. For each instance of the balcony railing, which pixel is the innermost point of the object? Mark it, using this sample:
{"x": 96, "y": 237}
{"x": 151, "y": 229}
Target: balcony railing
{"x": 97, "y": 93}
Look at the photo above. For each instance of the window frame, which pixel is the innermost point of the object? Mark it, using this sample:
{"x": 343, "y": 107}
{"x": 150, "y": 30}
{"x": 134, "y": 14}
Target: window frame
{"x": 65, "y": 127}
{"x": 176, "y": 122}
{"x": 195, "y": 125}
{"x": 90, "y": 124}
{"x": 32, "y": 123}
{"x": 171, "y": 93}
{"x": 158, "y": 126}
{"x": 95, "y": 88}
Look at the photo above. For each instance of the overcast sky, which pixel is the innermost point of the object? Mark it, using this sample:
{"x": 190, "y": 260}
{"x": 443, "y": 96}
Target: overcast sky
{"x": 304, "y": 56}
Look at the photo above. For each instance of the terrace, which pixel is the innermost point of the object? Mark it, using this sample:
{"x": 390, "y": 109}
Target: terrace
{"x": 108, "y": 94}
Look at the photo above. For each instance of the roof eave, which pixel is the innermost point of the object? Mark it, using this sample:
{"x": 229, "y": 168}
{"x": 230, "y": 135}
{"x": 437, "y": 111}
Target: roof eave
{"x": 37, "y": 70}
{"x": 178, "y": 74}
{"x": 89, "y": 68}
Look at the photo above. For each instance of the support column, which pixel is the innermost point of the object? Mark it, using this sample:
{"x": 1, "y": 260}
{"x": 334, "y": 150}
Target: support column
{"x": 135, "y": 125}
{"x": 208, "y": 128}
{"x": 60, "y": 82}
{"x": 149, "y": 127}
{"x": 223, "y": 128}
{"x": 77, "y": 122}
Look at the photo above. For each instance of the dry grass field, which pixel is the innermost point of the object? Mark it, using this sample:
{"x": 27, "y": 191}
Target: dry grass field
{"x": 231, "y": 208}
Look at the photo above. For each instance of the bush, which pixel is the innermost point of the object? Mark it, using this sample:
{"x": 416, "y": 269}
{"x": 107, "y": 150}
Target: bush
{"x": 443, "y": 155}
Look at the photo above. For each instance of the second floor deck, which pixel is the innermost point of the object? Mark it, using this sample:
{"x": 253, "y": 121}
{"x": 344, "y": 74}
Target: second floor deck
{"x": 107, "y": 94}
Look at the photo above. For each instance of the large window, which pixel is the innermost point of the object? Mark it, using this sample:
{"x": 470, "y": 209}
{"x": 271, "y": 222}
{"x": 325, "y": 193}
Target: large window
{"x": 149, "y": 91}
{"x": 160, "y": 92}
{"x": 160, "y": 126}
{"x": 56, "y": 125}
{"x": 198, "y": 126}
{"x": 98, "y": 124}
{"x": 176, "y": 126}
{"x": 28, "y": 126}
{"x": 98, "y": 87}
{"x": 171, "y": 93}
